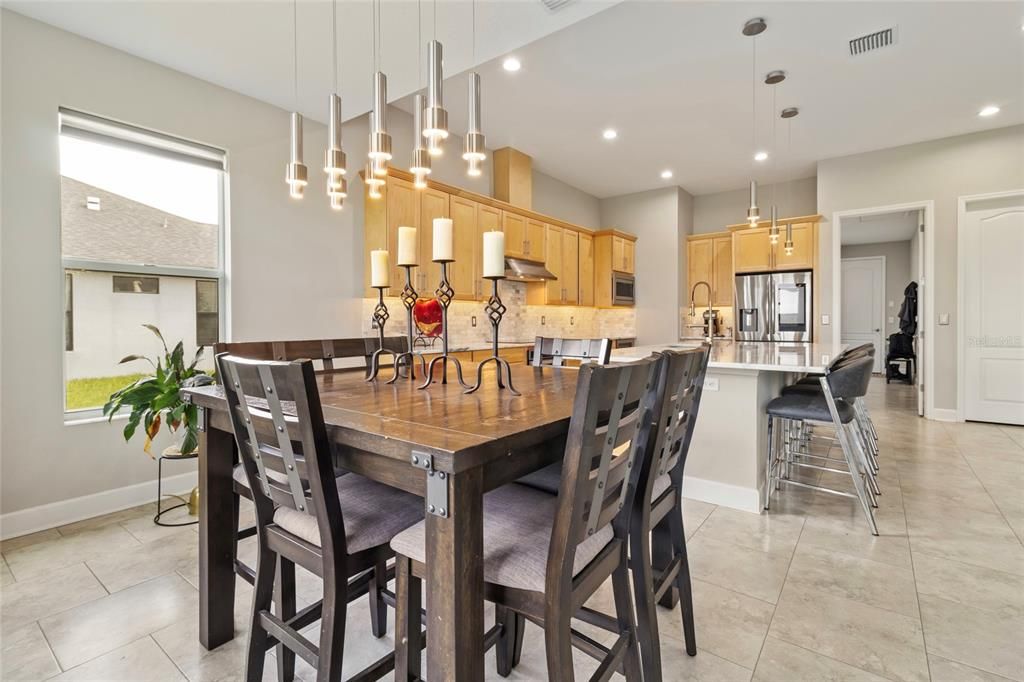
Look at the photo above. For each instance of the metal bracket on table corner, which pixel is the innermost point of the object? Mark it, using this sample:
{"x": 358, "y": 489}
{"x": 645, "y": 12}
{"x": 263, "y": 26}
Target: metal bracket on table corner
{"x": 437, "y": 484}
{"x": 201, "y": 418}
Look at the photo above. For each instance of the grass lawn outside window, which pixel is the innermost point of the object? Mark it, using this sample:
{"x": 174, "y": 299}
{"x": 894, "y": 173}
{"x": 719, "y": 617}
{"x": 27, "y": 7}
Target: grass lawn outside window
{"x": 93, "y": 392}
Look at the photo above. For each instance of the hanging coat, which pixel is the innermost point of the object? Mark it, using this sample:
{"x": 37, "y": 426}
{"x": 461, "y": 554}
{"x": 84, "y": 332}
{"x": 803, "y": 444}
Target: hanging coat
{"x": 908, "y": 311}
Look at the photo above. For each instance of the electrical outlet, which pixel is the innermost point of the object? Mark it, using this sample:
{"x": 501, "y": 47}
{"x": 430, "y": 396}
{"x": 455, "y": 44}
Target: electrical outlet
{"x": 710, "y": 383}
{"x": 824, "y": 319}
{"x": 944, "y": 319}
{"x": 472, "y": 321}
{"x": 373, "y": 324}
{"x": 572, "y": 320}
{"x": 543, "y": 320}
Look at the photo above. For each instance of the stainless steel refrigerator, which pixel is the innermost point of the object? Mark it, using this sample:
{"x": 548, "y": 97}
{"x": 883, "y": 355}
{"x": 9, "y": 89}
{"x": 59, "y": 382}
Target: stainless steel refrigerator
{"x": 775, "y": 306}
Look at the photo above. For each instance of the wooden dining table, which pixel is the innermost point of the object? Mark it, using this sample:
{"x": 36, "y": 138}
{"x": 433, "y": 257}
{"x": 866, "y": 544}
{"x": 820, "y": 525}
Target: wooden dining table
{"x": 441, "y": 444}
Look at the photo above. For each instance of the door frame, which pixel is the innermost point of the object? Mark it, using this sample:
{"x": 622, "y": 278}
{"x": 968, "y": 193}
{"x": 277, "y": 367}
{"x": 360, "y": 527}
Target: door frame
{"x": 961, "y": 334}
{"x": 924, "y": 282}
{"x": 883, "y": 334}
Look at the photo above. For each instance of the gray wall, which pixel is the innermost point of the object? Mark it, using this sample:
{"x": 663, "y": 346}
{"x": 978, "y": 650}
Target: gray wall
{"x": 712, "y": 212}
{"x": 655, "y": 218}
{"x": 557, "y": 199}
{"x": 280, "y": 250}
{"x": 897, "y": 274}
{"x": 941, "y": 171}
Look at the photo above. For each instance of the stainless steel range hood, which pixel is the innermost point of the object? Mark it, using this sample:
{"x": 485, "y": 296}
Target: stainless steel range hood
{"x": 527, "y": 271}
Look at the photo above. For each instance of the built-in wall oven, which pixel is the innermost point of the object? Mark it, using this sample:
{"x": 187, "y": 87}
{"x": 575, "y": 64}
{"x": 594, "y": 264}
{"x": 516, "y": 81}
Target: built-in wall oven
{"x": 623, "y": 289}
{"x": 774, "y": 306}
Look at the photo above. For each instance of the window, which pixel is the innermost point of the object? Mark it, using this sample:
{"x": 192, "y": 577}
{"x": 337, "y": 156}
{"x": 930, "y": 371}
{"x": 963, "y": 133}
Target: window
{"x": 142, "y": 235}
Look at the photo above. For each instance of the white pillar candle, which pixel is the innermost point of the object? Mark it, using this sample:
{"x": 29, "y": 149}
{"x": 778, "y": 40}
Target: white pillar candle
{"x": 407, "y": 246}
{"x": 380, "y": 272}
{"x": 443, "y": 246}
{"x": 494, "y": 254}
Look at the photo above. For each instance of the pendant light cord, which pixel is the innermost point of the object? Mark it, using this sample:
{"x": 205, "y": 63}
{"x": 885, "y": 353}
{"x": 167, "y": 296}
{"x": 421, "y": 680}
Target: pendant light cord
{"x": 419, "y": 44}
{"x": 474, "y": 32}
{"x": 334, "y": 43}
{"x": 435, "y": 19}
{"x": 775, "y": 149}
{"x": 295, "y": 51}
{"x": 753, "y": 94}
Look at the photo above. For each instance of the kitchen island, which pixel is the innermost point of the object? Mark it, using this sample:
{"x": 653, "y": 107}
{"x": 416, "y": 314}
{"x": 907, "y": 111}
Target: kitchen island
{"x": 726, "y": 462}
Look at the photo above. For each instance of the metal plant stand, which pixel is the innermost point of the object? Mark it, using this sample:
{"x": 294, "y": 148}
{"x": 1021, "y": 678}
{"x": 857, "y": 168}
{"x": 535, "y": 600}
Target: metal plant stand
{"x": 408, "y": 297}
{"x": 495, "y": 310}
{"x": 380, "y": 318}
{"x": 445, "y": 294}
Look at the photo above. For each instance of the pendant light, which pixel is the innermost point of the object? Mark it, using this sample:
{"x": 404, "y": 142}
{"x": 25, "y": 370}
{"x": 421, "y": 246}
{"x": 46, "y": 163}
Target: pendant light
{"x": 380, "y": 141}
{"x": 295, "y": 173}
{"x": 752, "y": 29}
{"x": 334, "y": 155}
{"x": 435, "y": 123}
{"x": 420, "y": 157}
{"x": 774, "y": 78}
{"x": 789, "y": 113}
{"x": 473, "y": 147}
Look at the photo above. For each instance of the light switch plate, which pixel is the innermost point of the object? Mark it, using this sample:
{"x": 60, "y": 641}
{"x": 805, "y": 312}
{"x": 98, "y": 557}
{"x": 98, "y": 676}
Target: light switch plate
{"x": 944, "y": 318}
{"x": 710, "y": 383}
{"x": 825, "y": 319}
{"x": 543, "y": 319}
{"x": 472, "y": 321}
{"x": 892, "y": 320}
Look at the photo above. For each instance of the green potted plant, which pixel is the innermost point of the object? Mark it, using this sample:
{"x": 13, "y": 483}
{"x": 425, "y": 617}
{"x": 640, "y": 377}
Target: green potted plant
{"x": 155, "y": 399}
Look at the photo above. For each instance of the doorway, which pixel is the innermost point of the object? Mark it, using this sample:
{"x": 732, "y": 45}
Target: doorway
{"x": 883, "y": 256}
{"x": 991, "y": 358}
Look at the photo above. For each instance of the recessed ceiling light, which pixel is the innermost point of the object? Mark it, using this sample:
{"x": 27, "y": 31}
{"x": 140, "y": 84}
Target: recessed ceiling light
{"x": 609, "y": 134}
{"x": 511, "y": 64}
{"x": 761, "y": 156}
{"x": 666, "y": 174}
{"x": 990, "y": 110}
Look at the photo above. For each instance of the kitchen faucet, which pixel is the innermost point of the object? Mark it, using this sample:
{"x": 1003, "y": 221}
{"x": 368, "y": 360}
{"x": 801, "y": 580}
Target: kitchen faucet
{"x": 693, "y": 310}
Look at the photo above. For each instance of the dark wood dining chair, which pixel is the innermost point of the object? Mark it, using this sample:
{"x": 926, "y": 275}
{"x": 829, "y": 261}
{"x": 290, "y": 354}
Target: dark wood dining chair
{"x": 555, "y": 351}
{"x": 337, "y": 527}
{"x": 546, "y": 555}
{"x": 325, "y": 351}
{"x": 660, "y": 568}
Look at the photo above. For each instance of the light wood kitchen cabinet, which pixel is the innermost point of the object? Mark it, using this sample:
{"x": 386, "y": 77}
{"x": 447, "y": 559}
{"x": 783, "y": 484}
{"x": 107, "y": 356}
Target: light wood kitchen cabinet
{"x": 586, "y": 269}
{"x": 534, "y": 245}
{"x": 514, "y": 227}
{"x": 623, "y": 255}
{"x": 562, "y": 258}
{"x": 754, "y": 252}
{"x": 398, "y": 205}
{"x": 570, "y": 267}
{"x": 488, "y": 219}
{"x": 709, "y": 259}
{"x": 464, "y": 273}
{"x": 433, "y": 204}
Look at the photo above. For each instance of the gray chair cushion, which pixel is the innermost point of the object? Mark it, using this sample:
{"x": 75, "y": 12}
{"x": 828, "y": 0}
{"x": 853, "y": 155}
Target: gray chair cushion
{"x": 373, "y": 513}
{"x": 800, "y": 387}
{"x": 517, "y": 535}
{"x": 800, "y": 405}
{"x": 547, "y": 479}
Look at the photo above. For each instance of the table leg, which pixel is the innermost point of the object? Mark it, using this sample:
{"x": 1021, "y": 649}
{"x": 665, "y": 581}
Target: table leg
{"x": 662, "y": 551}
{"x": 216, "y": 538}
{"x": 455, "y": 575}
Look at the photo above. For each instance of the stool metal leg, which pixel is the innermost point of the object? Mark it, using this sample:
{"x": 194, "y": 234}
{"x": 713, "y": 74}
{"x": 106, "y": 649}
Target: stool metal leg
{"x": 771, "y": 463}
{"x": 851, "y": 458}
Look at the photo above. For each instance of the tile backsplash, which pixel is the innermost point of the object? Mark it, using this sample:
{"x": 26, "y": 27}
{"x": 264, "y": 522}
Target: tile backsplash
{"x": 522, "y": 322}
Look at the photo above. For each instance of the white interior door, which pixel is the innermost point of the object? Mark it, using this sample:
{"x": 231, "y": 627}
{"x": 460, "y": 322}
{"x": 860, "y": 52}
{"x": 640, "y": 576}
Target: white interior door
{"x": 992, "y": 244}
{"x": 863, "y": 296}
{"x": 918, "y": 338}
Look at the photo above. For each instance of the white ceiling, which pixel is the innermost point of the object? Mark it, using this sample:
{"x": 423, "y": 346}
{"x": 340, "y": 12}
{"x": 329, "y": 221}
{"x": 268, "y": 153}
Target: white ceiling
{"x": 674, "y": 78}
{"x": 883, "y": 227}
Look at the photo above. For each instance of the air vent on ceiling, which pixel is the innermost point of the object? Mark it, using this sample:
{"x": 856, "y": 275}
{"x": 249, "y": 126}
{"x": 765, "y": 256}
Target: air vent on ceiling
{"x": 872, "y": 41}
{"x": 556, "y": 5}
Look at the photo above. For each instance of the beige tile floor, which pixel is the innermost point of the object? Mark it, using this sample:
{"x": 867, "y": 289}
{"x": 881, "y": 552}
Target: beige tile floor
{"x": 801, "y": 593}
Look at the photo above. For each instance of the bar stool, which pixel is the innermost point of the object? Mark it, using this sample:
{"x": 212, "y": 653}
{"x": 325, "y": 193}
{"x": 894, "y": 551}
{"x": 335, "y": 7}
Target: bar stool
{"x": 831, "y": 406}
{"x": 555, "y": 351}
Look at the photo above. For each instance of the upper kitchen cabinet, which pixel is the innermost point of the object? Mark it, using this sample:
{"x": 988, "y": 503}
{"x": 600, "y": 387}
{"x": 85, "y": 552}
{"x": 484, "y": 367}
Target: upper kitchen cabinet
{"x": 709, "y": 259}
{"x": 524, "y": 237}
{"x": 586, "y": 262}
{"x": 467, "y": 218}
{"x": 614, "y": 265}
{"x": 562, "y": 259}
{"x": 433, "y": 204}
{"x": 754, "y": 252}
{"x": 398, "y": 205}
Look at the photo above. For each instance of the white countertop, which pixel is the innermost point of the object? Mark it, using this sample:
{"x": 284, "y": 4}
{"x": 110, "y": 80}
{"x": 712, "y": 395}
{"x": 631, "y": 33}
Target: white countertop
{"x": 749, "y": 355}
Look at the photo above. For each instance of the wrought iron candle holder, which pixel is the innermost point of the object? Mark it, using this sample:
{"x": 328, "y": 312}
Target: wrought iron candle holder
{"x": 444, "y": 294}
{"x": 380, "y": 318}
{"x": 495, "y": 310}
{"x": 408, "y": 298}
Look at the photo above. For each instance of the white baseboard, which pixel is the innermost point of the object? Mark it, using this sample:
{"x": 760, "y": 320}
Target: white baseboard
{"x": 945, "y": 415}
{"x": 33, "y": 519}
{"x": 725, "y": 494}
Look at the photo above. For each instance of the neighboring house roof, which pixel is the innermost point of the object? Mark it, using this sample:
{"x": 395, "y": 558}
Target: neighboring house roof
{"x": 131, "y": 232}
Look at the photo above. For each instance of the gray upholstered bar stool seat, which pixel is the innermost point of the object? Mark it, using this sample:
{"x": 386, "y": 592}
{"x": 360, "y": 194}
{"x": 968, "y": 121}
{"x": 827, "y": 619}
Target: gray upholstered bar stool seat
{"x": 804, "y": 406}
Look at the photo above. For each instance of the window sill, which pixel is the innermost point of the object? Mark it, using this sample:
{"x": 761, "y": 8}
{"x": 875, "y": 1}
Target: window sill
{"x": 89, "y": 417}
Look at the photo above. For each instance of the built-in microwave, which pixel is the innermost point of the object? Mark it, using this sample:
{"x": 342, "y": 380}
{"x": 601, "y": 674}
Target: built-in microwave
{"x": 623, "y": 289}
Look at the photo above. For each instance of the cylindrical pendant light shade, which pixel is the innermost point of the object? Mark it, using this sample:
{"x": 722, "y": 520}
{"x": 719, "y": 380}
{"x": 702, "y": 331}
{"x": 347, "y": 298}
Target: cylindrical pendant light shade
{"x": 334, "y": 157}
{"x": 474, "y": 142}
{"x": 380, "y": 141}
{"x": 373, "y": 182}
{"x": 753, "y": 213}
{"x": 295, "y": 173}
{"x": 435, "y": 117}
{"x": 773, "y": 233}
{"x": 420, "y": 167}
{"x": 789, "y": 239}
